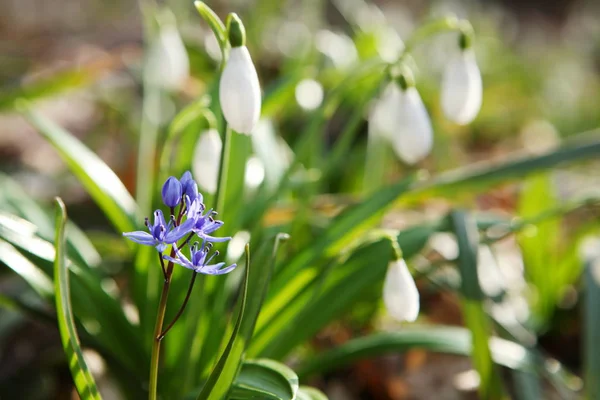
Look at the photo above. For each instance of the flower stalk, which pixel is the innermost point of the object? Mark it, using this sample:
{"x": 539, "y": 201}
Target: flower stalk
{"x": 157, "y": 338}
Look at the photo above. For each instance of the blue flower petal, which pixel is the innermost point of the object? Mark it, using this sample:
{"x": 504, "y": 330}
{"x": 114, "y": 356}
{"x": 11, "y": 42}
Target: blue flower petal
{"x": 171, "y": 192}
{"x": 140, "y": 237}
{"x": 180, "y": 231}
{"x": 209, "y": 238}
{"x": 216, "y": 269}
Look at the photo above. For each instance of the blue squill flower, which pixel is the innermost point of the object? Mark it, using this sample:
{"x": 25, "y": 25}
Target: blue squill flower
{"x": 204, "y": 224}
{"x": 198, "y": 260}
{"x": 161, "y": 234}
{"x": 171, "y": 192}
{"x": 190, "y": 187}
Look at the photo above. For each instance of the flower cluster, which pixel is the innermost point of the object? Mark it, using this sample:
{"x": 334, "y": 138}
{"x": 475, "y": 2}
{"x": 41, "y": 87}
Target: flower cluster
{"x": 191, "y": 219}
{"x": 401, "y": 117}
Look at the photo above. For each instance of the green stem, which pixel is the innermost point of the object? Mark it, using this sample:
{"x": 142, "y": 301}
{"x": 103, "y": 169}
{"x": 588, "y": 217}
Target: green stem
{"x": 156, "y": 339}
{"x": 431, "y": 28}
{"x": 223, "y": 169}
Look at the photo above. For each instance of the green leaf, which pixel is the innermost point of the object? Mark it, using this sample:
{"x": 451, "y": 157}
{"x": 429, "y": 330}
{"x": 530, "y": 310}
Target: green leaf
{"x": 258, "y": 283}
{"x": 541, "y": 246}
{"x": 487, "y": 173}
{"x": 58, "y": 83}
{"x": 591, "y": 332}
{"x": 321, "y": 301}
{"x": 33, "y": 275}
{"x": 343, "y": 228}
{"x": 84, "y": 381}
{"x": 95, "y": 308}
{"x": 439, "y": 339}
{"x": 98, "y": 179}
{"x": 264, "y": 379}
{"x": 214, "y": 22}
{"x": 221, "y": 378}
{"x": 477, "y": 321}
{"x": 14, "y": 196}
{"x": 309, "y": 393}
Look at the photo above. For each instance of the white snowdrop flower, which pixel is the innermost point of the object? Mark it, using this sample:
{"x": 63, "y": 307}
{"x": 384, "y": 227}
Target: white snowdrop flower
{"x": 168, "y": 65}
{"x": 462, "y": 88}
{"x": 412, "y": 139}
{"x": 205, "y": 164}
{"x": 400, "y": 294}
{"x": 381, "y": 119}
{"x": 239, "y": 89}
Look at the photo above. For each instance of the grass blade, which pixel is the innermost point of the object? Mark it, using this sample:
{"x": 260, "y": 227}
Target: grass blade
{"x": 591, "y": 331}
{"x": 221, "y": 378}
{"x": 439, "y": 339}
{"x": 477, "y": 321}
{"x": 84, "y": 381}
{"x": 99, "y": 180}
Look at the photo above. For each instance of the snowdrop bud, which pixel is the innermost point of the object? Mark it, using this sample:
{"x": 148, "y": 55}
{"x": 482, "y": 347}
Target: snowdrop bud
{"x": 207, "y": 155}
{"x": 239, "y": 89}
{"x": 236, "y": 31}
{"x": 412, "y": 139}
{"x": 400, "y": 294}
{"x": 168, "y": 65}
{"x": 462, "y": 88}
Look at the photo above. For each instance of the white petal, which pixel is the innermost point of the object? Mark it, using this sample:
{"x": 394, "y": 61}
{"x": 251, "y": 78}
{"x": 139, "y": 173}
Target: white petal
{"x": 239, "y": 91}
{"x": 462, "y": 88}
{"x": 207, "y": 155}
{"x": 168, "y": 63}
{"x": 400, "y": 294}
{"x": 412, "y": 139}
{"x": 382, "y": 119}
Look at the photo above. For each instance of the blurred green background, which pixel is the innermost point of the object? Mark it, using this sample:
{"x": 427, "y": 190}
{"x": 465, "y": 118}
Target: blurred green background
{"x": 81, "y": 62}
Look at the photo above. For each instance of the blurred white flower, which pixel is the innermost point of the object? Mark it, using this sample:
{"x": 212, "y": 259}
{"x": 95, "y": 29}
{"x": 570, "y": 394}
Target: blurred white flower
{"x": 309, "y": 94}
{"x": 167, "y": 65}
{"x": 381, "y": 119}
{"x": 462, "y": 88}
{"x": 239, "y": 91}
{"x": 255, "y": 173}
{"x": 400, "y": 294}
{"x": 488, "y": 271}
{"x": 205, "y": 164}
{"x": 412, "y": 138}
{"x": 338, "y": 47}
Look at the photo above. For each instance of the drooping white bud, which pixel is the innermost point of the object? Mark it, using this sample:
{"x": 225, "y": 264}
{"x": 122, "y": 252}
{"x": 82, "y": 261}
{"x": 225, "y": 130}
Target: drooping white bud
{"x": 168, "y": 65}
{"x": 207, "y": 156}
{"x": 462, "y": 88}
{"x": 400, "y": 294}
{"x": 412, "y": 138}
{"x": 239, "y": 91}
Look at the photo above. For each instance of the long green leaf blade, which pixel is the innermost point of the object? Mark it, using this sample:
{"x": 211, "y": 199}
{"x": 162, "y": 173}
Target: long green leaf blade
{"x": 439, "y": 339}
{"x": 477, "y": 321}
{"x": 220, "y": 380}
{"x": 591, "y": 331}
{"x": 84, "y": 381}
{"x": 97, "y": 178}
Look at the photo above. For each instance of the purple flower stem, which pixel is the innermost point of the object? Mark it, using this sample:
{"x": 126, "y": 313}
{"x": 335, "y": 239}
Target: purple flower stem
{"x": 162, "y": 265}
{"x": 185, "y": 301}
